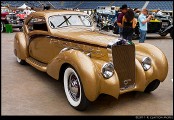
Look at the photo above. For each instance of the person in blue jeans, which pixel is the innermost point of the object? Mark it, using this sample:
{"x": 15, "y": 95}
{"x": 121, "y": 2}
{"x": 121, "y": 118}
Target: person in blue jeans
{"x": 143, "y": 20}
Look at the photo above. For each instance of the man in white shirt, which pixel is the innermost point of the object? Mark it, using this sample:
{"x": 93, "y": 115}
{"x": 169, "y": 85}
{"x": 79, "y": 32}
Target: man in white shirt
{"x": 143, "y": 24}
{"x": 26, "y": 12}
{"x": 32, "y": 10}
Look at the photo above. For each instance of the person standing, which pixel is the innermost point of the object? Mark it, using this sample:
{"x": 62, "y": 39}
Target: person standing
{"x": 32, "y": 10}
{"x": 129, "y": 22}
{"x": 136, "y": 12}
{"x": 143, "y": 24}
{"x": 120, "y": 17}
{"x": 27, "y": 12}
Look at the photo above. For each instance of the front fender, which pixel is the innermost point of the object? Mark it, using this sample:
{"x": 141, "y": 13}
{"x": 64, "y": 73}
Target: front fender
{"x": 20, "y": 46}
{"x": 159, "y": 67}
{"x": 84, "y": 67}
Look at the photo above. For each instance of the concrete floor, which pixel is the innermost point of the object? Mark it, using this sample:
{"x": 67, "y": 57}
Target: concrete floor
{"x": 27, "y": 91}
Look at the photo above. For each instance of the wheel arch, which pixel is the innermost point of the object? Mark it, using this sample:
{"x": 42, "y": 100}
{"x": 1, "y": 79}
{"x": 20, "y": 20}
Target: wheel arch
{"x": 62, "y": 70}
{"x": 84, "y": 67}
{"x": 20, "y": 46}
{"x": 159, "y": 67}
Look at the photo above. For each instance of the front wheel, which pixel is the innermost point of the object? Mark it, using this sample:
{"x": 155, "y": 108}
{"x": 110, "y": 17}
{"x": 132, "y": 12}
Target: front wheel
{"x": 74, "y": 90}
{"x": 152, "y": 86}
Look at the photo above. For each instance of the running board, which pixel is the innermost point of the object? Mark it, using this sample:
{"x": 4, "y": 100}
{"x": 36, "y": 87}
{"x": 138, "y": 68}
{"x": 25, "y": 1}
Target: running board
{"x": 38, "y": 65}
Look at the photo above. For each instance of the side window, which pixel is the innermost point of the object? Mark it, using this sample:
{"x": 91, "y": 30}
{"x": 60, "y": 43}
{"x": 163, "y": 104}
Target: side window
{"x": 37, "y": 24}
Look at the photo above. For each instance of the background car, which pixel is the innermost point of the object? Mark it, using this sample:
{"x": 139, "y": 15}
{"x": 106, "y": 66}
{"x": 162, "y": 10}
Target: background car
{"x": 4, "y": 11}
{"x": 8, "y": 17}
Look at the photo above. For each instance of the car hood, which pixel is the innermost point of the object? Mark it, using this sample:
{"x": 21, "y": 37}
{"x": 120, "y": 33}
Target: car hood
{"x": 85, "y": 36}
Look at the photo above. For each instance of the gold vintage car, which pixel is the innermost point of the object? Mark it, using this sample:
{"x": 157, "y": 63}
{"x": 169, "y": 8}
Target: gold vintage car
{"x": 66, "y": 46}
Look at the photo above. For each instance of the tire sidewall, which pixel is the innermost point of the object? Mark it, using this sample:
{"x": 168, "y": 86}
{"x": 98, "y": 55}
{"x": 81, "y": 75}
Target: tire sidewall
{"x": 152, "y": 86}
{"x": 20, "y": 61}
{"x": 164, "y": 34}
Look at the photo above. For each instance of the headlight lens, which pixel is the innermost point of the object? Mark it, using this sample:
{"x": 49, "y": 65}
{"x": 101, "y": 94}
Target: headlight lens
{"x": 146, "y": 63}
{"x": 108, "y": 70}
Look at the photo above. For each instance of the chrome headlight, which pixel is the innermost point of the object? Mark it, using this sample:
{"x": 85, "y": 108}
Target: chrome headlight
{"x": 108, "y": 70}
{"x": 146, "y": 63}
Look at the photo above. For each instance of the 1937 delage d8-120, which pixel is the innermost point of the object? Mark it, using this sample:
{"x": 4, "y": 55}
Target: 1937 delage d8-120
{"x": 66, "y": 46}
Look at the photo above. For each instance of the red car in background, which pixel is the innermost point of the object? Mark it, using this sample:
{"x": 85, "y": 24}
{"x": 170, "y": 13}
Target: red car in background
{"x": 21, "y": 15}
{"x": 8, "y": 17}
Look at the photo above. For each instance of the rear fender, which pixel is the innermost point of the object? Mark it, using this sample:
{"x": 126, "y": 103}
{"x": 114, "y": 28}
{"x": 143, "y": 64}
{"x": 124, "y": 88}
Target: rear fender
{"x": 20, "y": 46}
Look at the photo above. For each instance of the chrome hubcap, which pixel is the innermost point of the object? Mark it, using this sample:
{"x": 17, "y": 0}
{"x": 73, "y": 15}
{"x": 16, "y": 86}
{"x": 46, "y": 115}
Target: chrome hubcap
{"x": 74, "y": 87}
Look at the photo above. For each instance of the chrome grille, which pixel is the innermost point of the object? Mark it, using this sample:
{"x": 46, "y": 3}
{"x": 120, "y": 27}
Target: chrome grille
{"x": 124, "y": 64}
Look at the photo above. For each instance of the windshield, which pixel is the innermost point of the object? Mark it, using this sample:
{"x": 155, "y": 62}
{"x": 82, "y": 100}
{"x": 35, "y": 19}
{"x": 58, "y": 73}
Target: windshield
{"x": 57, "y": 21}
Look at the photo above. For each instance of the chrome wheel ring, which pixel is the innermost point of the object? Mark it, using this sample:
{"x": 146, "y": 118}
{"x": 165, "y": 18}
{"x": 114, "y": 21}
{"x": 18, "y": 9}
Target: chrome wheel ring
{"x": 72, "y": 87}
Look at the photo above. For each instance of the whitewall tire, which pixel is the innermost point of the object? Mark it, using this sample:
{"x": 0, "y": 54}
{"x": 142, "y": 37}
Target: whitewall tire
{"x": 20, "y": 61}
{"x": 74, "y": 89}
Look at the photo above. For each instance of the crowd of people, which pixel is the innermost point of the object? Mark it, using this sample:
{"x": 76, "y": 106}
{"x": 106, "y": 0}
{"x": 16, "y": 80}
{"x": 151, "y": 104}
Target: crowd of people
{"x": 128, "y": 19}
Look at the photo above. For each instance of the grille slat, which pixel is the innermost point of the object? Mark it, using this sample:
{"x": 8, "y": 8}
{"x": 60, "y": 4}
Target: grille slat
{"x": 124, "y": 64}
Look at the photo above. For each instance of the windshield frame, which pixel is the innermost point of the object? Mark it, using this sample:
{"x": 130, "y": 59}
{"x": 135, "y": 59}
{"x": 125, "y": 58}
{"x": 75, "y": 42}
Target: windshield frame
{"x": 90, "y": 20}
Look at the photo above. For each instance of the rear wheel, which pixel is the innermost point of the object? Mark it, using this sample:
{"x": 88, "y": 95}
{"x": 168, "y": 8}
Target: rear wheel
{"x": 20, "y": 61}
{"x": 164, "y": 34}
{"x": 152, "y": 86}
{"x": 74, "y": 89}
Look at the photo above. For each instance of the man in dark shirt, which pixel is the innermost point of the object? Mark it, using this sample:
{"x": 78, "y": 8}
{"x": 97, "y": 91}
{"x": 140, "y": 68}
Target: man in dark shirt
{"x": 120, "y": 17}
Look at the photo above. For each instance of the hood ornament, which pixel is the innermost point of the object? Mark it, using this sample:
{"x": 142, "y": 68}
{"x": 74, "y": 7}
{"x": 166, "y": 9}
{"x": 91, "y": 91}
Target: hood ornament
{"x": 120, "y": 41}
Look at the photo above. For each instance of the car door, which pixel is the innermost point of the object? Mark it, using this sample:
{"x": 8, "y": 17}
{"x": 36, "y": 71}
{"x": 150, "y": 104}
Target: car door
{"x": 40, "y": 41}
